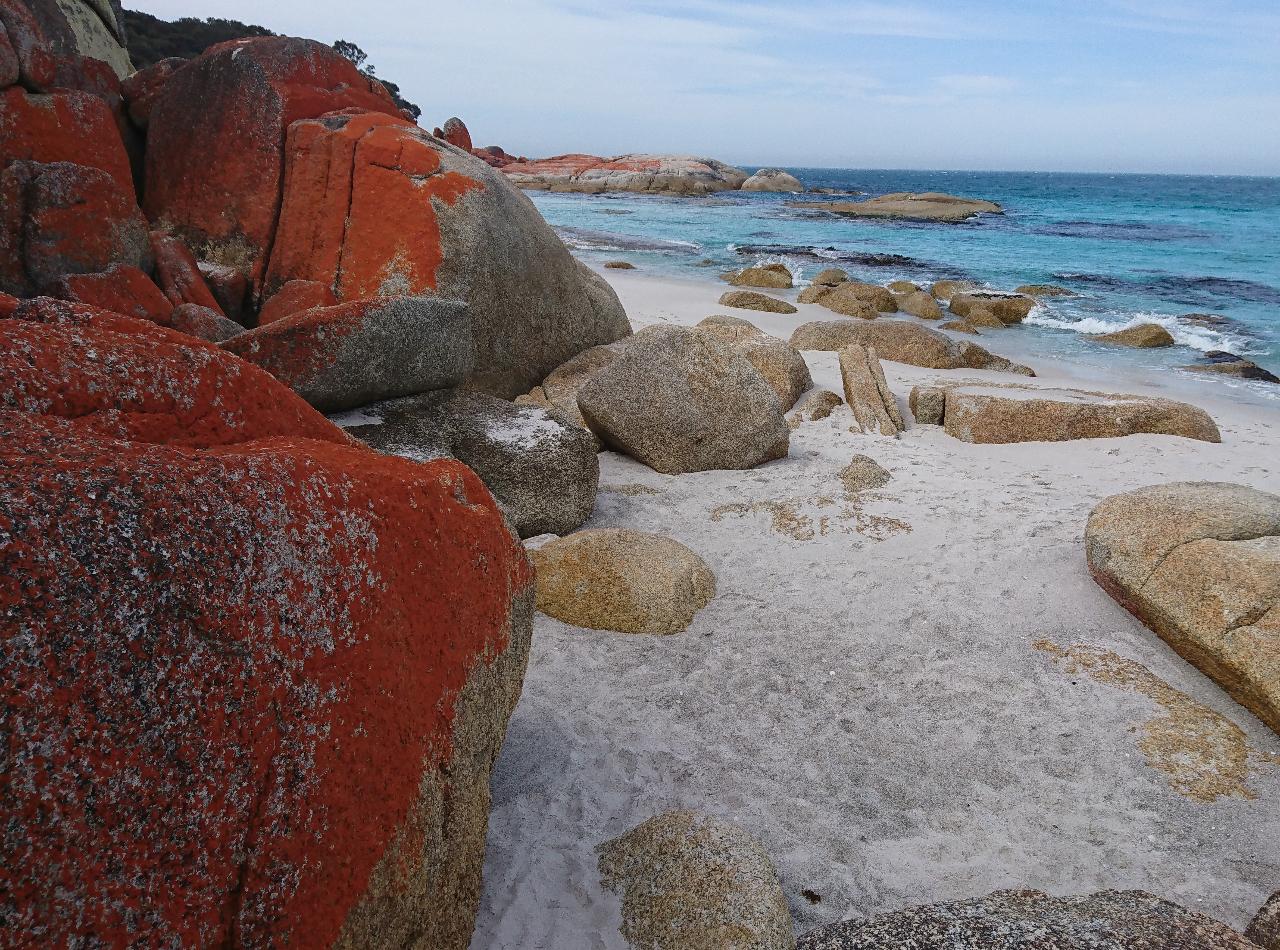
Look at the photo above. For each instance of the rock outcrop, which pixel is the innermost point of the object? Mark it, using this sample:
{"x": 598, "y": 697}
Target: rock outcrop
{"x": 867, "y": 392}
{"x": 1264, "y": 929}
{"x": 928, "y": 207}
{"x": 361, "y": 352}
{"x": 271, "y": 617}
{"x": 653, "y": 174}
{"x": 690, "y": 881}
{"x": 1199, "y": 563}
{"x": 543, "y": 470}
{"x": 1022, "y": 920}
{"x": 1008, "y": 413}
{"x": 1143, "y": 336}
{"x": 679, "y": 401}
{"x": 217, "y": 183}
{"x": 751, "y": 300}
{"x": 902, "y": 342}
{"x": 622, "y": 581}
{"x": 373, "y": 206}
{"x": 775, "y": 180}
{"x": 1044, "y": 290}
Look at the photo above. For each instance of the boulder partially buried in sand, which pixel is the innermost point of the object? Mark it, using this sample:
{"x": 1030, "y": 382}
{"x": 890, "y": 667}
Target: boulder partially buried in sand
{"x": 623, "y": 581}
{"x": 904, "y": 206}
{"x": 867, "y": 392}
{"x": 690, "y": 881}
{"x": 919, "y": 304}
{"x": 543, "y": 470}
{"x": 815, "y": 405}
{"x": 1000, "y": 414}
{"x": 680, "y": 401}
{"x": 902, "y": 342}
{"x": 1199, "y": 563}
{"x": 750, "y": 300}
{"x": 1032, "y": 920}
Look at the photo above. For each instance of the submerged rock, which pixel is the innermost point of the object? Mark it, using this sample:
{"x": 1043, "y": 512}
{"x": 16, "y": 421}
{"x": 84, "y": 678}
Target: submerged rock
{"x": 1143, "y": 336}
{"x": 1031, "y": 920}
{"x": 690, "y": 881}
{"x": 1229, "y": 364}
{"x": 622, "y": 581}
{"x": 1044, "y": 290}
{"x": 1199, "y": 563}
{"x": 930, "y": 207}
{"x": 679, "y": 401}
{"x": 544, "y": 471}
{"x": 619, "y": 265}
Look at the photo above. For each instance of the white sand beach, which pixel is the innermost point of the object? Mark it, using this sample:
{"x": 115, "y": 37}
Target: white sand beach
{"x": 879, "y": 690}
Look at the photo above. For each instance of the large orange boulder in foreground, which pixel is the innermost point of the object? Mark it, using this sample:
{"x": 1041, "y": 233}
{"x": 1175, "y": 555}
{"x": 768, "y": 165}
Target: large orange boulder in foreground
{"x": 216, "y": 133}
{"x": 253, "y": 689}
{"x": 374, "y": 206}
{"x": 124, "y": 378}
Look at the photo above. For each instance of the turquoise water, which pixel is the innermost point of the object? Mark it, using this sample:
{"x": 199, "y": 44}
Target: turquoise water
{"x": 1135, "y": 247}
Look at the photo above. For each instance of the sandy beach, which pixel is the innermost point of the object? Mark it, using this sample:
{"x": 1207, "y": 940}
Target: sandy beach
{"x": 899, "y": 691}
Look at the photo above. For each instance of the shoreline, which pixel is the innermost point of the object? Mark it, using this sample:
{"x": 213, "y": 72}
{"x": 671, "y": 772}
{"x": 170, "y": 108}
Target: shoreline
{"x": 878, "y": 692}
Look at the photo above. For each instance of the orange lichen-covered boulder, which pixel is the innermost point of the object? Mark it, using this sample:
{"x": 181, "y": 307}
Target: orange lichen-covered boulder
{"x": 375, "y": 206}
{"x": 455, "y": 132}
{"x": 59, "y": 219}
{"x": 364, "y": 351}
{"x": 178, "y": 273}
{"x": 216, "y": 133}
{"x": 121, "y": 288}
{"x": 65, "y": 126}
{"x": 252, "y": 693}
{"x": 142, "y": 88}
{"x": 124, "y": 378}
{"x": 295, "y": 297}
{"x": 37, "y": 66}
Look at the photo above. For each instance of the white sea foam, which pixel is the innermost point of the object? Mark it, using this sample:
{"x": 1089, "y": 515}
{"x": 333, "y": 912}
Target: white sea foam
{"x": 1183, "y": 333}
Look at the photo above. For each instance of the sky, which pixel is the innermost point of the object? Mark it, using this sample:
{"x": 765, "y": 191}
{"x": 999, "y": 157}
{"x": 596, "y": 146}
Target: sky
{"x": 1179, "y": 86}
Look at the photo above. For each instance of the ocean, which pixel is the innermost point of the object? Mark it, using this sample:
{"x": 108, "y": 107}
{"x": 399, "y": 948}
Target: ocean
{"x": 1136, "y": 248}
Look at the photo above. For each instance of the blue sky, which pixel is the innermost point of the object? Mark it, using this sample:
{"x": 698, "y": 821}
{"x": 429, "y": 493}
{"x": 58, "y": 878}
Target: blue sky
{"x": 1109, "y": 85}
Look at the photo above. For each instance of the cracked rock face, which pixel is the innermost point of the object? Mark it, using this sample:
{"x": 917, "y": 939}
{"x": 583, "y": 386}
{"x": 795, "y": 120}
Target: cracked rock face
{"x": 1199, "y": 563}
{"x": 1031, "y": 920}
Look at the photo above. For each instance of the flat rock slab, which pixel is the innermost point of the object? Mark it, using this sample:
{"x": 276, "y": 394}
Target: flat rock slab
{"x": 904, "y": 206}
{"x": 1031, "y": 920}
{"x": 867, "y": 392}
{"x": 1003, "y": 414}
{"x": 1199, "y": 563}
{"x": 902, "y": 342}
{"x": 751, "y": 300}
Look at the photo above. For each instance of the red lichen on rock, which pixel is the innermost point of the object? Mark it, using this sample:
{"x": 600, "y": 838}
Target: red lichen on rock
{"x": 8, "y": 305}
{"x": 68, "y": 126}
{"x": 37, "y": 64}
{"x": 359, "y": 207}
{"x": 60, "y": 219}
{"x": 141, "y": 89}
{"x": 121, "y": 289}
{"x": 120, "y": 377}
{"x": 9, "y": 68}
{"x": 455, "y": 132}
{"x": 296, "y": 348}
{"x": 178, "y": 274}
{"x": 295, "y": 297}
{"x": 217, "y": 181}
{"x": 227, "y": 671}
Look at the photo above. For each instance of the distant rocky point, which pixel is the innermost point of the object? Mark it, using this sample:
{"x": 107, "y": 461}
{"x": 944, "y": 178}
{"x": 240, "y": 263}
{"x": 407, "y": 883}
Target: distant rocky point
{"x": 904, "y": 206}
{"x": 653, "y": 174}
